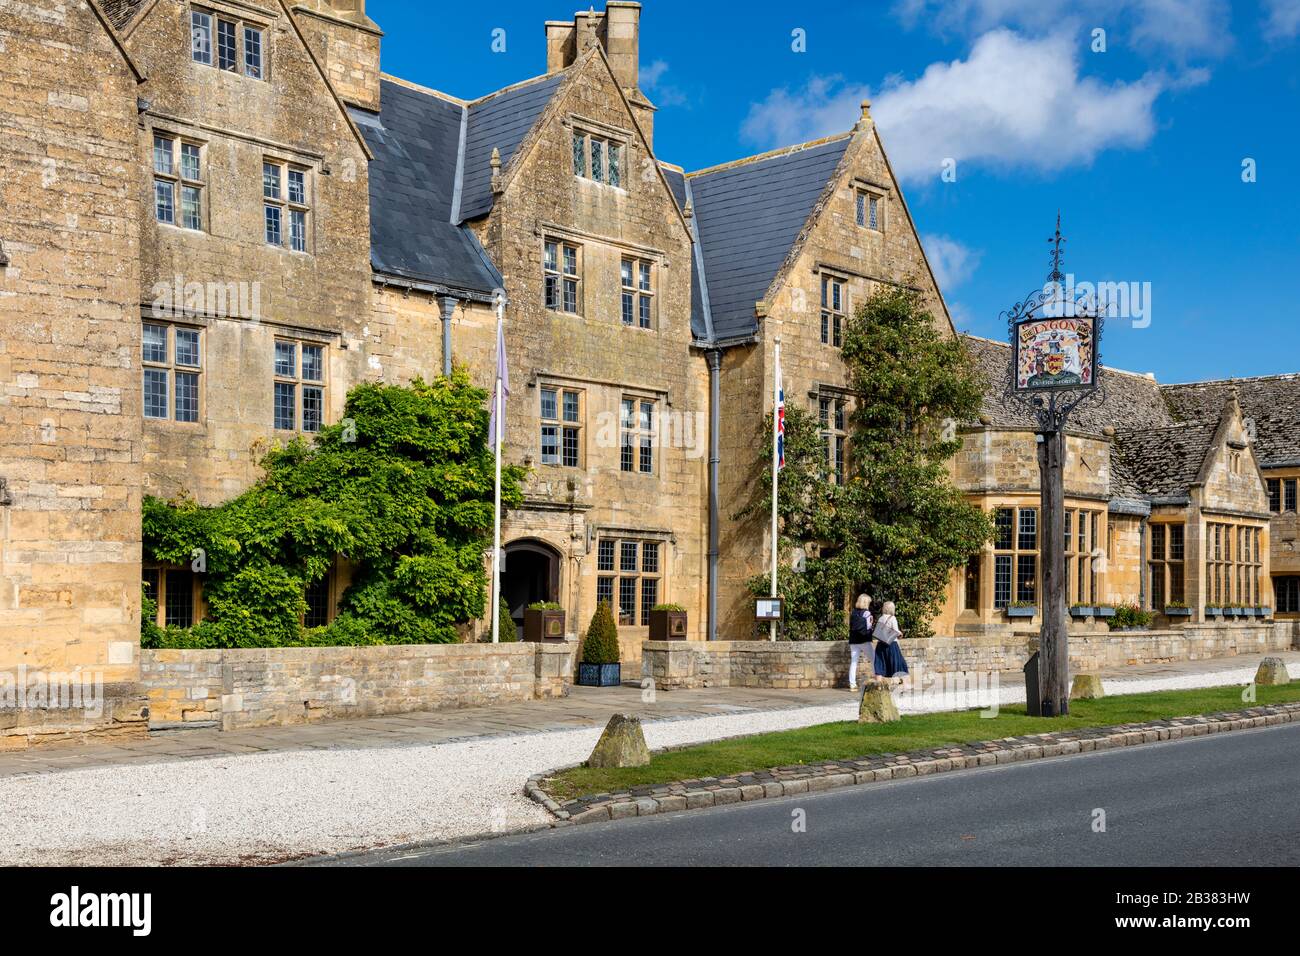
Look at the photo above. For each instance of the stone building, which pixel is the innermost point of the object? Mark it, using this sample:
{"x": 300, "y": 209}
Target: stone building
{"x": 1175, "y": 500}
{"x": 220, "y": 216}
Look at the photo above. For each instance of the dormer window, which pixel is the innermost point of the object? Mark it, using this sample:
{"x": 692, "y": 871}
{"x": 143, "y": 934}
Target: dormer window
{"x": 597, "y": 158}
{"x": 227, "y": 43}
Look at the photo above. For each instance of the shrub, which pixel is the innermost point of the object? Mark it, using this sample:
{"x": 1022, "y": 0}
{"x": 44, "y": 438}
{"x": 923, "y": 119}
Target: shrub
{"x": 506, "y": 632}
{"x": 544, "y": 606}
{"x": 669, "y": 607}
{"x": 1130, "y": 615}
{"x": 600, "y": 644}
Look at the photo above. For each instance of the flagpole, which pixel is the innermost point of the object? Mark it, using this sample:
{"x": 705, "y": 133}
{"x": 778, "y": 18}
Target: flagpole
{"x": 498, "y": 422}
{"x": 776, "y": 411}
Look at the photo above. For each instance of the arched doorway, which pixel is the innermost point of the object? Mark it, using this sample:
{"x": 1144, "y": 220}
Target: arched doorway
{"x": 532, "y": 573}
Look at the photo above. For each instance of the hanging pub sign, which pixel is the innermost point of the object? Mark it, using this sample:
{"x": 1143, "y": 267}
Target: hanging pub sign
{"x": 1055, "y": 353}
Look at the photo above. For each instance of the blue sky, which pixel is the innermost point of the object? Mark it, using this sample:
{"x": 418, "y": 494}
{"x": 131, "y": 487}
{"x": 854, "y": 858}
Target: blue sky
{"x": 1140, "y": 145}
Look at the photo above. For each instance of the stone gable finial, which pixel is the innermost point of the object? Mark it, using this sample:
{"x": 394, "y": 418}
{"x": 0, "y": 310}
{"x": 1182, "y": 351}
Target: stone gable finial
{"x": 689, "y": 211}
{"x": 495, "y": 164}
{"x": 865, "y": 118}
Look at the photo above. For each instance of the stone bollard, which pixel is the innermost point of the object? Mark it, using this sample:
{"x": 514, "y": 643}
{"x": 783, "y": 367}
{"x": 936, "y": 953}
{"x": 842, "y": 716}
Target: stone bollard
{"x": 621, "y": 745}
{"x": 877, "y": 705}
{"x": 1272, "y": 672}
{"x": 1086, "y": 687}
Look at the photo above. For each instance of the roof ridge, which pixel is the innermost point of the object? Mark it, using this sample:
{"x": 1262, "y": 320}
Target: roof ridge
{"x": 514, "y": 86}
{"x": 1196, "y": 423}
{"x": 771, "y": 154}
{"x": 423, "y": 89}
{"x": 1233, "y": 381}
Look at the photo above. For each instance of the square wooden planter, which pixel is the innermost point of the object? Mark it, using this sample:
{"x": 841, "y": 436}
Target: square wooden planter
{"x": 600, "y": 675}
{"x": 545, "y": 626}
{"x": 667, "y": 625}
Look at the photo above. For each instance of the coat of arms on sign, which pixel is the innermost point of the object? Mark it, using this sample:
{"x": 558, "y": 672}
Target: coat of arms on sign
{"x": 1054, "y": 353}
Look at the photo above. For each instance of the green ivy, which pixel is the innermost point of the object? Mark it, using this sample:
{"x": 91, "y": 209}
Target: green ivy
{"x": 401, "y": 488}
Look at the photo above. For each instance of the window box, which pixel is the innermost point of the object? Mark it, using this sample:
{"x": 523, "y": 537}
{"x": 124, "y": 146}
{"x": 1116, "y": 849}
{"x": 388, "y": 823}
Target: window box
{"x": 1248, "y": 612}
{"x": 1178, "y": 612}
{"x": 1264, "y": 611}
{"x": 1104, "y": 611}
{"x": 1232, "y": 612}
{"x": 1214, "y": 612}
{"x": 1013, "y": 611}
{"x": 544, "y": 624}
{"x": 666, "y": 625}
{"x": 1083, "y": 611}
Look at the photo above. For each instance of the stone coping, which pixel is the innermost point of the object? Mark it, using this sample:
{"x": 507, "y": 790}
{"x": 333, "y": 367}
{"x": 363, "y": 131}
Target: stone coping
{"x": 830, "y": 774}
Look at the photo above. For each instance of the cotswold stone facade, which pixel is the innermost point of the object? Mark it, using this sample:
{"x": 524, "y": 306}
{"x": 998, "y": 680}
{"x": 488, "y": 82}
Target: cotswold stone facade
{"x": 220, "y": 216}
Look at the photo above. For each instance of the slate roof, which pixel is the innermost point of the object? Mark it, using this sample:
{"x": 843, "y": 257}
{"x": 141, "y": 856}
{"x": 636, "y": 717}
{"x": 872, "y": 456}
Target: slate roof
{"x": 701, "y": 327}
{"x": 121, "y": 12}
{"x": 1160, "y": 462}
{"x": 1131, "y": 401}
{"x": 415, "y": 141}
{"x": 499, "y": 120}
{"x": 1272, "y": 402}
{"x": 748, "y": 215}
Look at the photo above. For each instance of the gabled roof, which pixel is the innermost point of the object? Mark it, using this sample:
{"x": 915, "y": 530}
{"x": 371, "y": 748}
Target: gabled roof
{"x": 748, "y": 214}
{"x": 1271, "y": 402}
{"x": 500, "y": 120}
{"x": 1131, "y": 401}
{"x": 1160, "y": 462}
{"x": 415, "y": 141}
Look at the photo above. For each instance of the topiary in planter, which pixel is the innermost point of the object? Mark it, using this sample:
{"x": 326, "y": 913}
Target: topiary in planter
{"x": 599, "y": 665}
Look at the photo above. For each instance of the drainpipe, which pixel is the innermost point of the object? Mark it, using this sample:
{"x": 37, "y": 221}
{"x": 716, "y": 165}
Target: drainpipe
{"x": 1142, "y": 562}
{"x": 715, "y": 371}
{"x": 448, "y": 306}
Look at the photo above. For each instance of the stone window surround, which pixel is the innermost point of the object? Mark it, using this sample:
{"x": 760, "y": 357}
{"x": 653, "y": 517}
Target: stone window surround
{"x": 1015, "y": 552}
{"x": 555, "y": 232}
{"x": 176, "y": 176}
{"x": 827, "y": 313}
{"x": 667, "y": 541}
{"x": 1094, "y": 530}
{"x": 1163, "y": 564}
{"x": 577, "y": 125}
{"x": 840, "y": 398}
{"x": 1288, "y": 492}
{"x": 159, "y": 572}
{"x": 1230, "y": 567}
{"x": 238, "y": 14}
{"x": 560, "y": 424}
{"x": 638, "y": 292}
{"x": 562, "y": 243}
{"x": 637, "y": 434}
{"x": 288, "y": 206}
{"x": 301, "y": 383}
{"x": 171, "y": 367}
{"x": 868, "y": 188}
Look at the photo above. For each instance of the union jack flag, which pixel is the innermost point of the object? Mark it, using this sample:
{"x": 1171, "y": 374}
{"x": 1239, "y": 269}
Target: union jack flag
{"x": 780, "y": 418}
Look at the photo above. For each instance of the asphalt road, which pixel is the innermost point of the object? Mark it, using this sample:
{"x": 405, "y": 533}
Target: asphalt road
{"x": 1228, "y": 800}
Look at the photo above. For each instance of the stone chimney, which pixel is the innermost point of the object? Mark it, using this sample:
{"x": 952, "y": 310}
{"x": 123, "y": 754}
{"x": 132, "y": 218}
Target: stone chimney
{"x": 617, "y": 29}
{"x": 346, "y": 41}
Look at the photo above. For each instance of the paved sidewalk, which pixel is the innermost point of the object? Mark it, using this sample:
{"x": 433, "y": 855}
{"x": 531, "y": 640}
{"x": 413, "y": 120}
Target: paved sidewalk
{"x": 585, "y": 707}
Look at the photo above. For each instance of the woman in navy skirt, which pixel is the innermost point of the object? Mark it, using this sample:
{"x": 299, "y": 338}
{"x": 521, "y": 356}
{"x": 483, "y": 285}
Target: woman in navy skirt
{"x": 890, "y": 663}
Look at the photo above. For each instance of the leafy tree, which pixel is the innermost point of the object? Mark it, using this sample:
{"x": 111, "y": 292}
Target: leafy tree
{"x": 600, "y": 645}
{"x": 897, "y": 526}
{"x": 402, "y": 488}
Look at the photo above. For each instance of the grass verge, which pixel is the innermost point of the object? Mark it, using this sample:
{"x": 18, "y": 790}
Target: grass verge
{"x": 849, "y": 739}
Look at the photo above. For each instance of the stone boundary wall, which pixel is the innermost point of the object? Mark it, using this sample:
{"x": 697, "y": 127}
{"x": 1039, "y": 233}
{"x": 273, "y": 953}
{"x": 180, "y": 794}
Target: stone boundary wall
{"x": 271, "y": 686}
{"x": 675, "y": 665}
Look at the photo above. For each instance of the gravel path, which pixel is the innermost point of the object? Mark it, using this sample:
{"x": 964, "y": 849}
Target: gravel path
{"x": 276, "y": 806}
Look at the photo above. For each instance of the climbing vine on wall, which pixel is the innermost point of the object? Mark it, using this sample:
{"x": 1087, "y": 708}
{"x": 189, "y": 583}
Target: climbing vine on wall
{"x": 401, "y": 489}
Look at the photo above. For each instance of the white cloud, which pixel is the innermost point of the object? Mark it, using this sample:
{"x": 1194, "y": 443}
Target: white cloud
{"x": 1180, "y": 27}
{"x": 953, "y": 263}
{"x": 1014, "y": 103}
{"x": 1282, "y": 20}
{"x": 651, "y": 81}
